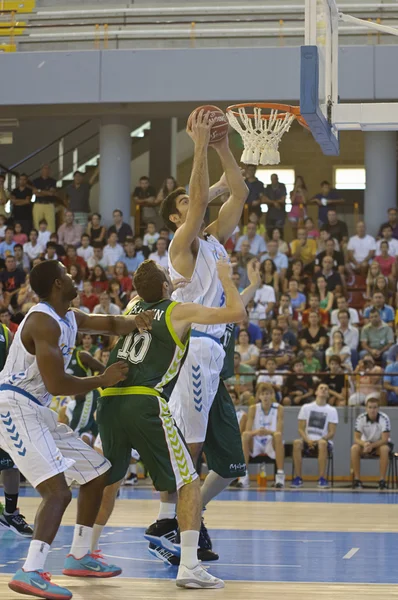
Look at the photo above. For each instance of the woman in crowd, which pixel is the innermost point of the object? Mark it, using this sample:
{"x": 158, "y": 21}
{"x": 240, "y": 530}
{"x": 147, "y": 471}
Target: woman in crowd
{"x": 381, "y": 285}
{"x": 270, "y": 275}
{"x": 296, "y": 272}
{"x": 75, "y": 272}
{"x": 19, "y": 236}
{"x": 373, "y": 274}
{"x": 312, "y": 231}
{"x": 326, "y": 298}
{"x": 387, "y": 263}
{"x": 282, "y": 246}
{"x": 249, "y": 353}
{"x": 338, "y": 348}
{"x": 324, "y": 236}
{"x": 168, "y": 186}
{"x": 118, "y": 295}
{"x": 298, "y": 197}
{"x": 99, "y": 280}
{"x": 297, "y": 299}
{"x": 95, "y": 230}
{"x": 122, "y": 275}
{"x": 314, "y": 335}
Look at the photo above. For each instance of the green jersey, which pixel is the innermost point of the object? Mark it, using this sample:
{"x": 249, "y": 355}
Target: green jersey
{"x": 82, "y": 418}
{"x": 154, "y": 357}
{"x": 228, "y": 342}
{"x": 4, "y": 345}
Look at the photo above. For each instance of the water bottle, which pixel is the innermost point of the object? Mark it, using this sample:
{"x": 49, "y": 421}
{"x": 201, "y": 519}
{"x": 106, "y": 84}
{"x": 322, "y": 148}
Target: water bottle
{"x": 262, "y": 476}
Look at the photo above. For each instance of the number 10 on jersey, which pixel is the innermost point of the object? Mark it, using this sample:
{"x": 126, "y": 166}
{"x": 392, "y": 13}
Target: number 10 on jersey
{"x": 135, "y": 347}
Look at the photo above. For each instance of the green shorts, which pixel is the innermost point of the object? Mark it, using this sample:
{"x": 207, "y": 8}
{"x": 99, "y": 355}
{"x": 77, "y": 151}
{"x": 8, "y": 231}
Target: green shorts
{"x": 144, "y": 422}
{"x": 223, "y": 443}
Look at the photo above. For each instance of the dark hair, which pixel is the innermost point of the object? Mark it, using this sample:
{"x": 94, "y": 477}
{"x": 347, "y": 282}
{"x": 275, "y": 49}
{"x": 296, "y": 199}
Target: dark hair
{"x": 51, "y": 245}
{"x": 308, "y": 347}
{"x": 344, "y": 311}
{"x": 125, "y": 270}
{"x": 297, "y": 361}
{"x": 8, "y": 228}
{"x": 43, "y": 277}
{"x": 165, "y": 190}
{"x": 335, "y": 358}
{"x": 96, "y": 215}
{"x": 117, "y": 210}
{"x": 42, "y": 221}
{"x": 85, "y": 235}
{"x": 4, "y": 311}
{"x": 78, "y": 173}
{"x": 18, "y": 246}
{"x": 268, "y": 358}
{"x": 148, "y": 281}
{"x": 324, "y": 182}
{"x": 262, "y": 267}
{"x": 98, "y": 245}
{"x": 103, "y": 276}
{"x": 70, "y": 247}
{"x": 302, "y": 180}
{"x": 79, "y": 274}
{"x": 169, "y": 207}
{"x": 144, "y": 178}
{"x": 372, "y": 400}
{"x": 35, "y": 230}
{"x": 341, "y": 334}
{"x": 237, "y": 354}
{"x": 277, "y": 329}
{"x": 374, "y": 311}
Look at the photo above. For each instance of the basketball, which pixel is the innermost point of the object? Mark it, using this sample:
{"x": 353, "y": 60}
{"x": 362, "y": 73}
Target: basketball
{"x": 220, "y": 127}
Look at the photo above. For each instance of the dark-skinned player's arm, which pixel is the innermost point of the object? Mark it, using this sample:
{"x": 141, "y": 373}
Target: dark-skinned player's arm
{"x": 90, "y": 362}
{"x": 231, "y": 211}
{"x": 40, "y": 336}
{"x": 111, "y": 324}
{"x": 181, "y": 253}
{"x": 183, "y": 315}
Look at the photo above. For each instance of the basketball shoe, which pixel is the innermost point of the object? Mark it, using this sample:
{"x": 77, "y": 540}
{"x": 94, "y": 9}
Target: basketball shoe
{"x": 197, "y": 578}
{"x": 90, "y": 565}
{"x": 16, "y": 523}
{"x": 38, "y": 583}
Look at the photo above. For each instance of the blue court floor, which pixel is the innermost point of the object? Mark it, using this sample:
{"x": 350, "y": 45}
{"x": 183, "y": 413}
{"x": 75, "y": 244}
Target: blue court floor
{"x": 248, "y": 554}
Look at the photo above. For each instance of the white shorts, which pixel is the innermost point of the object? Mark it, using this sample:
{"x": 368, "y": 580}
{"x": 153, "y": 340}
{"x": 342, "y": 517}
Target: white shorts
{"x": 98, "y": 446}
{"x": 40, "y": 446}
{"x": 196, "y": 386}
{"x": 263, "y": 446}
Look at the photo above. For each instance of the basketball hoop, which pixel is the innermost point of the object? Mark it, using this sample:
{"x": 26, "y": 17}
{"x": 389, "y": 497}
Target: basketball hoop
{"x": 262, "y": 131}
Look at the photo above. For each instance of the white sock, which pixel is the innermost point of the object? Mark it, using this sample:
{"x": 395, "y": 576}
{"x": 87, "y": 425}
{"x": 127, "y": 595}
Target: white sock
{"x": 81, "y": 543}
{"x": 213, "y": 485}
{"x": 37, "y": 555}
{"x": 167, "y": 510}
{"x": 280, "y": 472}
{"x": 97, "y": 531}
{"x": 189, "y": 549}
{"x": 133, "y": 469}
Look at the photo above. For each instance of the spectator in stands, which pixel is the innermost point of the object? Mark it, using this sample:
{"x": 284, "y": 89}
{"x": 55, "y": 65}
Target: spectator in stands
{"x": 339, "y": 348}
{"x": 21, "y": 204}
{"x": 275, "y": 197}
{"x": 387, "y": 236}
{"x": 336, "y": 382}
{"x": 243, "y": 257}
{"x": 5, "y": 319}
{"x": 113, "y": 251}
{"x": 4, "y": 195}
{"x": 105, "y": 306}
{"x": 317, "y": 427}
{"x": 313, "y": 303}
{"x": 2, "y": 227}
{"x": 249, "y": 353}
{"x": 326, "y": 297}
{"x": 88, "y": 345}
{"x": 19, "y": 237}
{"x": 337, "y": 229}
{"x": 269, "y": 375}
{"x": 161, "y": 256}
{"x": 144, "y": 196}
{"x": 254, "y": 331}
{"x": 76, "y": 273}
{"x": 22, "y": 261}
{"x": 60, "y": 250}
{"x": 312, "y": 231}
{"x": 51, "y": 251}
{"x": 297, "y": 299}
{"x": 361, "y": 249}
{"x": 314, "y": 335}
{"x": 387, "y": 262}
{"x": 242, "y": 380}
{"x": 310, "y": 362}
{"x": 98, "y": 257}
{"x": 44, "y": 188}
{"x": 376, "y": 337}
{"x": 168, "y": 186}
{"x": 287, "y": 334}
{"x": 350, "y": 333}
{"x": 44, "y": 235}
{"x": 278, "y": 349}
{"x": 299, "y": 387}
{"x": 296, "y": 272}
{"x": 367, "y": 381}
{"x": 285, "y": 307}
{"x": 381, "y": 285}
{"x": 392, "y": 221}
{"x": 132, "y": 259}
{"x": 342, "y": 304}
{"x": 260, "y": 228}
{"x": 303, "y": 249}
{"x": 386, "y": 312}
{"x": 122, "y": 229}
{"x": 278, "y": 258}
{"x": 12, "y": 278}
{"x": 122, "y": 276}
{"x": 263, "y": 435}
{"x": 257, "y": 243}
{"x": 256, "y": 190}
{"x": 391, "y": 383}
{"x": 371, "y": 438}
{"x": 73, "y": 259}
{"x": 78, "y": 197}
{"x": 86, "y": 251}
{"x": 325, "y": 199}
{"x": 89, "y": 299}
{"x": 298, "y": 198}
{"x": 95, "y": 230}
{"x": 324, "y": 237}
{"x": 265, "y": 299}
{"x": 373, "y": 273}
{"x": 276, "y": 236}
{"x": 117, "y": 295}
{"x": 32, "y": 248}
{"x": 270, "y": 275}
{"x": 336, "y": 258}
{"x": 151, "y": 237}
{"x": 333, "y": 279}
{"x": 70, "y": 233}
{"x": 7, "y": 246}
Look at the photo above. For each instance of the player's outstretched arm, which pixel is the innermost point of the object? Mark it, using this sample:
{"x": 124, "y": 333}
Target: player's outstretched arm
{"x": 90, "y": 362}
{"x": 40, "y": 337}
{"x": 111, "y": 324}
{"x": 198, "y": 186}
{"x": 183, "y": 315}
{"x": 231, "y": 211}
{"x": 253, "y": 273}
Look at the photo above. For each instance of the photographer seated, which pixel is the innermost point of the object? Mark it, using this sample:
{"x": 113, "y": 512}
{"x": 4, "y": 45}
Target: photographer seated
{"x": 371, "y": 438}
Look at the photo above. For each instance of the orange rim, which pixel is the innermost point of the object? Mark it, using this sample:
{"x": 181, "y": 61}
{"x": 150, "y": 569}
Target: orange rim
{"x": 281, "y": 108}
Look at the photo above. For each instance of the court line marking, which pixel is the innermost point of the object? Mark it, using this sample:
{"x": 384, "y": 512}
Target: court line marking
{"x": 274, "y": 540}
{"x": 218, "y": 564}
{"x": 350, "y": 553}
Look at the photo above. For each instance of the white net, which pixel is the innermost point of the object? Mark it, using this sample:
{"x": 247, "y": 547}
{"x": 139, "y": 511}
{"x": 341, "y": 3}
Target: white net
{"x": 261, "y": 137}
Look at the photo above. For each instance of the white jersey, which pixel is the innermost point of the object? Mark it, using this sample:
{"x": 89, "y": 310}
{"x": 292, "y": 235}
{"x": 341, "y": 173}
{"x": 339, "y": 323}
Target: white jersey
{"x": 268, "y": 421}
{"x": 239, "y": 415}
{"x": 21, "y": 370}
{"x": 204, "y": 287}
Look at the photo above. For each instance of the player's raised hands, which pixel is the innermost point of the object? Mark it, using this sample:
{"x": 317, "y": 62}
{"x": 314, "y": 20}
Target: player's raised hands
{"x": 144, "y": 320}
{"x": 115, "y": 373}
{"x": 199, "y": 128}
{"x": 224, "y": 269}
{"x": 253, "y": 272}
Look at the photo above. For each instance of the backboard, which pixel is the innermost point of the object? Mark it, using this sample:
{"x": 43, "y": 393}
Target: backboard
{"x": 319, "y": 72}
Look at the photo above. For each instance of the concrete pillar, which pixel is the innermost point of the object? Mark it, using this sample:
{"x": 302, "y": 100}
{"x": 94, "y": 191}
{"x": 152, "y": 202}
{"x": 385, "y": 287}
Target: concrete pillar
{"x": 381, "y": 177}
{"x": 162, "y": 150}
{"x": 115, "y": 165}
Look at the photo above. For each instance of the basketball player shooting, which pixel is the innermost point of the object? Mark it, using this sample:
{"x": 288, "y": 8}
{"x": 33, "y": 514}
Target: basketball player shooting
{"x": 193, "y": 255}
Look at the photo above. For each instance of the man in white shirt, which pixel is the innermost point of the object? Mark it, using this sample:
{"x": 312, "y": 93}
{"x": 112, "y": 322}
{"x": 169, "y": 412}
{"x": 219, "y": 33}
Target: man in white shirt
{"x": 361, "y": 249}
{"x": 280, "y": 260}
{"x": 98, "y": 257}
{"x": 342, "y": 304}
{"x": 371, "y": 438}
{"x": 386, "y": 236}
{"x": 86, "y": 251}
{"x": 106, "y": 307}
{"x": 350, "y": 333}
{"x": 113, "y": 251}
{"x": 32, "y": 248}
{"x": 161, "y": 256}
{"x": 257, "y": 243}
{"x": 317, "y": 427}
{"x": 264, "y": 300}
